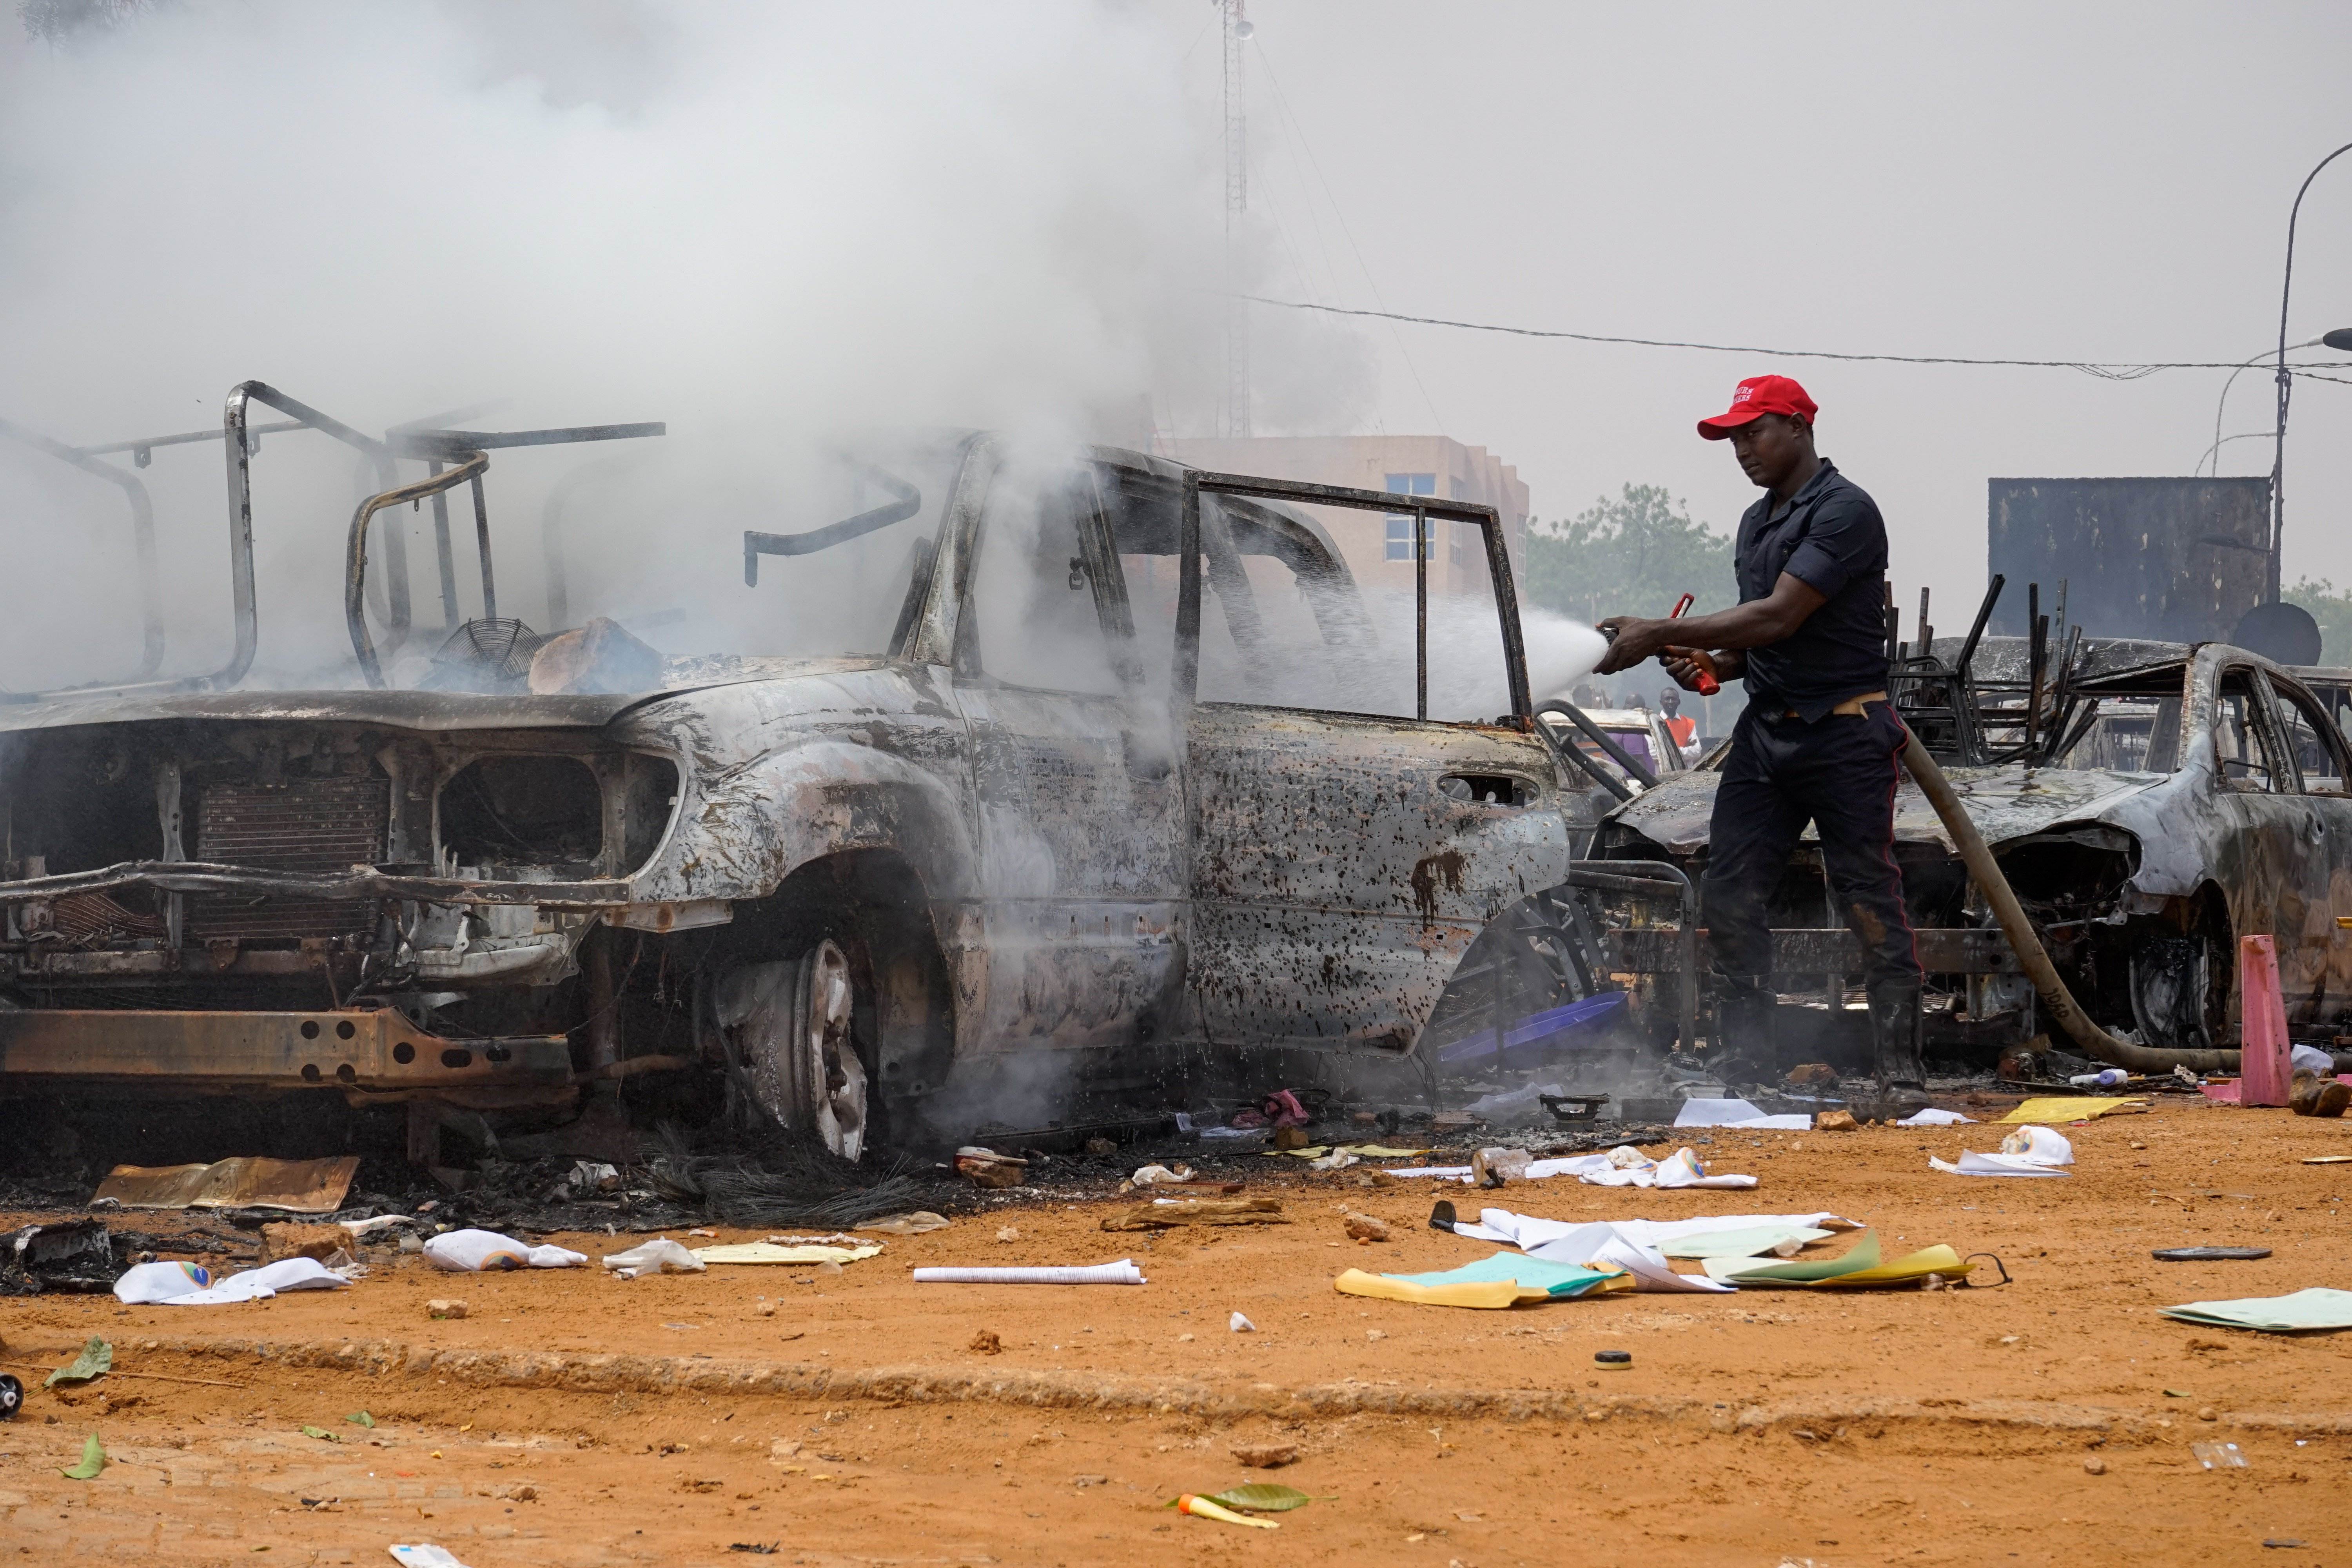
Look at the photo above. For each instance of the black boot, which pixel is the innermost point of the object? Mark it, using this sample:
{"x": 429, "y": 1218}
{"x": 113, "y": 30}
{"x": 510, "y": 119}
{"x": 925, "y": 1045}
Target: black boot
{"x": 1895, "y": 1064}
{"x": 1745, "y": 1051}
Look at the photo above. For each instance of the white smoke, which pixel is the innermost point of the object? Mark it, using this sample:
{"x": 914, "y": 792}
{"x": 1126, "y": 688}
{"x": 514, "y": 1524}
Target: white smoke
{"x": 761, "y": 223}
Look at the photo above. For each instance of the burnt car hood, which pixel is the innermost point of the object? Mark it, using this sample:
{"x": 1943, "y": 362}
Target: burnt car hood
{"x": 423, "y": 710}
{"x": 2005, "y": 803}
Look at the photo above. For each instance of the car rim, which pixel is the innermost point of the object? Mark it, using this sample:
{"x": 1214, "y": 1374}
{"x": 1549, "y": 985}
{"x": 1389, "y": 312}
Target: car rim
{"x": 835, "y": 1076}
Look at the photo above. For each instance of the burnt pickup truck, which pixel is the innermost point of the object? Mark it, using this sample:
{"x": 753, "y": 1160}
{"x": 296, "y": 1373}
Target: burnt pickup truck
{"x": 1043, "y": 773}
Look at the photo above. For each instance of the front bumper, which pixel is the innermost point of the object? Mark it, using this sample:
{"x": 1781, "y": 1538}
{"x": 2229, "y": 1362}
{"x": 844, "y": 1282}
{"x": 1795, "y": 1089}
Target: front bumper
{"x": 375, "y": 1057}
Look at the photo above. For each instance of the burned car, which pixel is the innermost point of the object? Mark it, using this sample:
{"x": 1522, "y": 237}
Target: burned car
{"x": 1102, "y": 772}
{"x": 2149, "y": 803}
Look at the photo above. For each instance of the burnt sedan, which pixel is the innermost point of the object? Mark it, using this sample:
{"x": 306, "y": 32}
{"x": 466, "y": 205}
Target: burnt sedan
{"x": 1081, "y": 773}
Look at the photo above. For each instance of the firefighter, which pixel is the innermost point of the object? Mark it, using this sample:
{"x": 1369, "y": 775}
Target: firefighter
{"x": 1818, "y": 740}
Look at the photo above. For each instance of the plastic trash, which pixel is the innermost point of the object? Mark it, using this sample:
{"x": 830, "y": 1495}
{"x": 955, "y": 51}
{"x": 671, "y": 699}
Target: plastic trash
{"x": 659, "y": 1256}
{"x": 145, "y": 1283}
{"x": 2311, "y": 1058}
{"x": 2106, "y": 1077}
{"x": 1160, "y": 1175}
{"x": 1123, "y": 1272}
{"x": 1241, "y": 1325}
{"x": 1202, "y": 1507}
{"x": 1933, "y": 1117}
{"x": 2213, "y": 1455}
{"x": 261, "y": 1284}
{"x": 479, "y": 1251}
{"x": 2028, "y": 1152}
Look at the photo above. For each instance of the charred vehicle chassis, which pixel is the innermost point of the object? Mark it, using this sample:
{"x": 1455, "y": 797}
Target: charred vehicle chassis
{"x": 852, "y": 893}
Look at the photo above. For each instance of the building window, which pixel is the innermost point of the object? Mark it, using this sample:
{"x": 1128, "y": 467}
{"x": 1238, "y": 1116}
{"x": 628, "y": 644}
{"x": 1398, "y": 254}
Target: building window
{"x": 1399, "y": 528}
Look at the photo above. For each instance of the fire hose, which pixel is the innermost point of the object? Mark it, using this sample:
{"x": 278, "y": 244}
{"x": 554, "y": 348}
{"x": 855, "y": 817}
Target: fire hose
{"x": 2026, "y": 943}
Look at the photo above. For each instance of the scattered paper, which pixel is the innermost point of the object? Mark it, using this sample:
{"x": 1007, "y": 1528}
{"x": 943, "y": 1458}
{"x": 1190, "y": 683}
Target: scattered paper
{"x": 1736, "y": 1113}
{"x": 1933, "y": 1117}
{"x": 2070, "y": 1107}
{"x": 1778, "y": 1240}
{"x": 1530, "y": 1273}
{"x": 425, "y": 1557}
{"x": 1123, "y": 1272}
{"x": 1859, "y": 1267}
{"x": 2296, "y": 1313}
{"x": 771, "y": 1252}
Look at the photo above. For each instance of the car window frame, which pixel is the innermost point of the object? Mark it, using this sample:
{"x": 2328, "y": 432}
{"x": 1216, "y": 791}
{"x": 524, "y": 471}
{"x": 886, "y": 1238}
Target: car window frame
{"x": 2269, "y": 736}
{"x": 2287, "y": 689}
{"x": 1099, "y": 558}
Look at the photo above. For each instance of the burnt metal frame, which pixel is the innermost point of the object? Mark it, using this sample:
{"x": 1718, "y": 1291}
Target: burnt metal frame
{"x": 440, "y": 447}
{"x": 1602, "y": 738}
{"x": 241, "y": 448}
{"x": 908, "y": 502}
{"x": 142, "y": 533}
{"x": 1499, "y": 565}
{"x": 1658, "y": 880}
{"x": 470, "y": 450}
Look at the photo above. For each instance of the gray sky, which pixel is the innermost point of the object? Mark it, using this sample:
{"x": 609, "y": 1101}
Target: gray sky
{"x": 751, "y": 219}
{"x": 2097, "y": 181}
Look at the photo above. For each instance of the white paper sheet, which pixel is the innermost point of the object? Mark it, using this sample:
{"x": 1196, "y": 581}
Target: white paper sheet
{"x": 1974, "y": 1164}
{"x": 1931, "y": 1117}
{"x": 1739, "y": 1113}
{"x": 261, "y": 1284}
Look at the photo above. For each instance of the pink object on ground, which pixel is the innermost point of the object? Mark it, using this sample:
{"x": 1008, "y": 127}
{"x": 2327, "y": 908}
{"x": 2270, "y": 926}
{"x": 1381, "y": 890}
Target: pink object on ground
{"x": 2227, "y": 1090}
{"x": 2263, "y": 1079}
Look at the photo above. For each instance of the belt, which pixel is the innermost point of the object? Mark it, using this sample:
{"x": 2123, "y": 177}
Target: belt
{"x": 1851, "y": 707}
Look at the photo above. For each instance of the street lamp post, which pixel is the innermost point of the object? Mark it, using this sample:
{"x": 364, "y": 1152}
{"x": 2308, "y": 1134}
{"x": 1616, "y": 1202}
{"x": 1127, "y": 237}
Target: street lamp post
{"x": 2285, "y": 379}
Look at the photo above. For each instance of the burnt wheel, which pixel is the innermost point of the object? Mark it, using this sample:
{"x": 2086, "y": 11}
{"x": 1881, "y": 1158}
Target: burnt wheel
{"x": 12, "y": 1397}
{"x": 795, "y": 1028}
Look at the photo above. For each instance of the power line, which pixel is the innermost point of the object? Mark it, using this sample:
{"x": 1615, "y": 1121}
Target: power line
{"x": 2114, "y": 371}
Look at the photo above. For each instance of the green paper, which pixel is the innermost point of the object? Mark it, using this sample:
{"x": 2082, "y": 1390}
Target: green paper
{"x": 322, "y": 1434}
{"x": 1861, "y": 1255}
{"x": 360, "y": 1418}
{"x": 93, "y": 1459}
{"x": 1530, "y": 1273}
{"x": 1753, "y": 1242}
{"x": 2295, "y": 1313}
{"x": 1261, "y": 1497}
{"x": 95, "y": 1360}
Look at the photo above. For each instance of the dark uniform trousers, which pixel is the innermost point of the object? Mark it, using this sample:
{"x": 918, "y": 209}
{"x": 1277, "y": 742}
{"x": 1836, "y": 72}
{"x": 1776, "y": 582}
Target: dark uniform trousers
{"x": 1839, "y": 772}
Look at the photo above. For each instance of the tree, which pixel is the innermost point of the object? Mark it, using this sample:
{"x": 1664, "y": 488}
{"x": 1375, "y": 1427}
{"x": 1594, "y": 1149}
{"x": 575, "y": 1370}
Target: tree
{"x": 2332, "y": 610}
{"x": 1633, "y": 555}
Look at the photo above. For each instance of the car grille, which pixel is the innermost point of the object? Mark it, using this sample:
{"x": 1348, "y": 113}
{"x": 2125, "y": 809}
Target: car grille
{"x": 303, "y": 824}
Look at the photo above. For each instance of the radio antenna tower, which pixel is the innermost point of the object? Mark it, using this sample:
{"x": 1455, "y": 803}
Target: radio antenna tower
{"x": 1237, "y": 29}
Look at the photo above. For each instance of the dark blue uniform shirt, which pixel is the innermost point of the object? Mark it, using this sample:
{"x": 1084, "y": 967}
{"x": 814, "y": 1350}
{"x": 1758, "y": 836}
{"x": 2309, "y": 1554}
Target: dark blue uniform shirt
{"x": 1830, "y": 537}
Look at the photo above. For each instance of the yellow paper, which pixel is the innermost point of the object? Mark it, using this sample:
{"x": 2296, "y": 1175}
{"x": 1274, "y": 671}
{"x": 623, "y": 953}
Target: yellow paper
{"x": 1489, "y": 1293}
{"x": 1938, "y": 1260}
{"x": 2068, "y": 1107}
{"x": 769, "y": 1252}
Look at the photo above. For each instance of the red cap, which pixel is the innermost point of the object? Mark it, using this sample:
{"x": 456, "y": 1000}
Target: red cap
{"x": 1760, "y": 394}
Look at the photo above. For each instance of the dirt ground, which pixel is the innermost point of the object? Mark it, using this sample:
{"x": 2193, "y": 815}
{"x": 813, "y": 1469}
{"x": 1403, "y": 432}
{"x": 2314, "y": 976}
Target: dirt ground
{"x": 573, "y": 1418}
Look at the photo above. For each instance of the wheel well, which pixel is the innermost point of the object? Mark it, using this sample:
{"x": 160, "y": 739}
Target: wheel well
{"x": 874, "y": 904}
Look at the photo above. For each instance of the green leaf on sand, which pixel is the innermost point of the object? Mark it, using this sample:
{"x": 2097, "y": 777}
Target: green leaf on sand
{"x": 360, "y": 1418}
{"x": 1261, "y": 1497}
{"x": 93, "y": 1459}
{"x": 97, "y": 1359}
{"x": 323, "y": 1434}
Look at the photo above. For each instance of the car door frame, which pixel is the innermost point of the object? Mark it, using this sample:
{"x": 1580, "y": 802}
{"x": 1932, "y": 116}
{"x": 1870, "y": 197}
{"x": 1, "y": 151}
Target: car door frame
{"x": 1320, "y": 975}
{"x": 2320, "y": 953}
